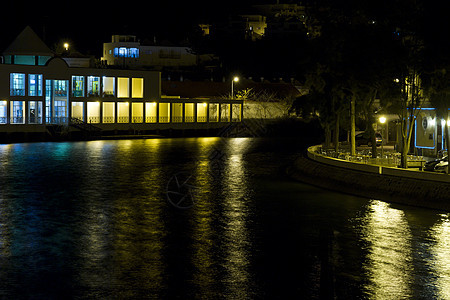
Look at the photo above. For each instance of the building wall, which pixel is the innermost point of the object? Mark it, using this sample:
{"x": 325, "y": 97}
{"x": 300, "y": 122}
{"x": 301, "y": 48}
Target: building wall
{"x": 426, "y": 135}
{"x": 58, "y": 69}
{"x": 150, "y": 56}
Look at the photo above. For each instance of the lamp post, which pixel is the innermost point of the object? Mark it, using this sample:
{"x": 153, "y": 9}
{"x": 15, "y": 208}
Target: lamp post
{"x": 382, "y": 121}
{"x": 66, "y": 46}
{"x": 235, "y": 79}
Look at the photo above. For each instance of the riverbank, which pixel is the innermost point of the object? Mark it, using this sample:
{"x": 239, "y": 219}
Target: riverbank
{"x": 391, "y": 188}
{"x": 281, "y": 127}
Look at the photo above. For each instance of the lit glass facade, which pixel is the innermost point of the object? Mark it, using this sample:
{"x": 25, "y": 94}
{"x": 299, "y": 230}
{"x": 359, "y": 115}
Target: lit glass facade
{"x": 93, "y": 86}
{"x": 17, "y": 84}
{"x": 126, "y": 52}
{"x": 35, "y": 85}
{"x": 77, "y": 86}
{"x": 97, "y": 99}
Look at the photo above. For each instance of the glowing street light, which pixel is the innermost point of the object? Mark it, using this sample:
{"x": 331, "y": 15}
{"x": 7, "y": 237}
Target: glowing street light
{"x": 235, "y": 79}
{"x": 66, "y": 46}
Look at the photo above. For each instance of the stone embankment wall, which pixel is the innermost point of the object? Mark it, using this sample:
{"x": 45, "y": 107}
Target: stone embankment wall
{"x": 388, "y": 185}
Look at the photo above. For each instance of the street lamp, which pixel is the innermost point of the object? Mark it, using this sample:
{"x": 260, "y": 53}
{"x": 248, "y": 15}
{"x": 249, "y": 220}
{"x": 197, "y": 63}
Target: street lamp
{"x": 66, "y": 46}
{"x": 382, "y": 121}
{"x": 235, "y": 79}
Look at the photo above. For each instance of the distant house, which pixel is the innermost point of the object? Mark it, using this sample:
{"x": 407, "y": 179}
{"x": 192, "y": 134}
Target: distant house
{"x": 127, "y": 51}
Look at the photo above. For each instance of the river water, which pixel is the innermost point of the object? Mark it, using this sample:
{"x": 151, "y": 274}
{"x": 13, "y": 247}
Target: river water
{"x": 206, "y": 218}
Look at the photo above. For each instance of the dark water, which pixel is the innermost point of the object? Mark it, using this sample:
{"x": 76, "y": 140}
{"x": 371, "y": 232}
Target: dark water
{"x": 93, "y": 220}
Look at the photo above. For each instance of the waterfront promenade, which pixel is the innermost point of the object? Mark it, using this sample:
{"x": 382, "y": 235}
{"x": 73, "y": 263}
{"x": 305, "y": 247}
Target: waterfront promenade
{"x": 377, "y": 178}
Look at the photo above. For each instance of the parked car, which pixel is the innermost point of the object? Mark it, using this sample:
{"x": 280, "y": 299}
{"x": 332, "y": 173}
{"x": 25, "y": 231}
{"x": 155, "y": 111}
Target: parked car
{"x": 363, "y": 138}
{"x": 429, "y": 165}
{"x": 442, "y": 166}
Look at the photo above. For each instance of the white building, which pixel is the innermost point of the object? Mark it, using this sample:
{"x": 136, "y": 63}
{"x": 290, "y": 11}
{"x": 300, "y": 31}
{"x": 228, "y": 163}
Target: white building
{"x": 127, "y": 51}
{"x": 38, "y": 89}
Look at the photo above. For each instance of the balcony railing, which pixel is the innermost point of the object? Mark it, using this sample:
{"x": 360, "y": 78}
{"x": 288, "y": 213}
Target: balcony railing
{"x": 163, "y": 119}
{"x": 137, "y": 119}
{"x": 57, "y": 120}
{"x": 93, "y": 120}
{"x": 150, "y": 119}
{"x": 108, "y": 120}
{"x": 123, "y": 119}
{"x": 177, "y": 119}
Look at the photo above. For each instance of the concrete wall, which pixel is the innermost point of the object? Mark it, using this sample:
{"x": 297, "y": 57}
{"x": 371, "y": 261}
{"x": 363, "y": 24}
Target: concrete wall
{"x": 398, "y": 172}
{"x": 369, "y": 181}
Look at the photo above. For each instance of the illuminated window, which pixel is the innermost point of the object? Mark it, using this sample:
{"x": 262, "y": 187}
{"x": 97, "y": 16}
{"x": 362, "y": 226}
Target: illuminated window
{"x": 17, "y": 84}
{"x": 77, "y": 110}
{"x": 48, "y": 101}
{"x": 137, "y": 87}
{"x": 150, "y": 112}
{"x": 17, "y": 112}
{"x": 189, "y": 112}
{"x": 109, "y": 89}
{"x": 236, "y": 112}
{"x": 29, "y": 60}
{"x": 3, "y": 112}
{"x": 93, "y": 86}
{"x": 214, "y": 112}
{"x": 60, "y": 88}
{"x": 177, "y": 112}
{"x": 93, "y": 112}
{"x": 225, "y": 112}
{"x": 123, "y": 112}
{"x": 164, "y": 112}
{"x": 35, "y": 112}
{"x": 126, "y": 52}
{"x": 201, "y": 112}
{"x": 60, "y": 112}
{"x": 137, "y": 112}
{"x": 35, "y": 85}
{"x": 109, "y": 109}
{"x": 77, "y": 86}
{"x": 123, "y": 90}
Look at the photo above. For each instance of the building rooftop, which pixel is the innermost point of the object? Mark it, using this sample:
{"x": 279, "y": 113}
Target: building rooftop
{"x": 28, "y": 43}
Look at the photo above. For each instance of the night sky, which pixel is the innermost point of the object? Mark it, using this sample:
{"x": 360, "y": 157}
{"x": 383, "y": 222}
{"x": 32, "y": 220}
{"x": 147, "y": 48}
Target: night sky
{"x": 87, "y": 25}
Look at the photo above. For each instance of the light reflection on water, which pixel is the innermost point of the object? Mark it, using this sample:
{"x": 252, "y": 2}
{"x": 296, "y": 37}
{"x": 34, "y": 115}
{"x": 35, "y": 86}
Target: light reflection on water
{"x": 236, "y": 191}
{"x": 440, "y": 232}
{"x": 91, "y": 220}
{"x": 388, "y": 264}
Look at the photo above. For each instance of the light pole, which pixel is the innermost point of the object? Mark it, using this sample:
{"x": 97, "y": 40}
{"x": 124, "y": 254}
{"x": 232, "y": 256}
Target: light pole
{"x": 382, "y": 121}
{"x": 235, "y": 79}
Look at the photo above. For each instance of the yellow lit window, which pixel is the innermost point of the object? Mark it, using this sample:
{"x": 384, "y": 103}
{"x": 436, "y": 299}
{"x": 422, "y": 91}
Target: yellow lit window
{"x": 137, "y": 85}
{"x": 123, "y": 87}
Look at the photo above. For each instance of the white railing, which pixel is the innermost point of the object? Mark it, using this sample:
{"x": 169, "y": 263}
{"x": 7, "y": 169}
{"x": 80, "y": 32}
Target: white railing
{"x": 387, "y": 159}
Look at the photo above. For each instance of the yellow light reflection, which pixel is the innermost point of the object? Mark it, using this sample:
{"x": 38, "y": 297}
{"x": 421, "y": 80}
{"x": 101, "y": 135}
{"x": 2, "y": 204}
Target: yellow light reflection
{"x": 441, "y": 252}
{"x": 235, "y": 214}
{"x": 388, "y": 265}
{"x": 203, "y": 232}
{"x": 133, "y": 228}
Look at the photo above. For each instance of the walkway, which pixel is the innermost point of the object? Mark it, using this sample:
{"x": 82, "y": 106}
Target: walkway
{"x": 386, "y": 156}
